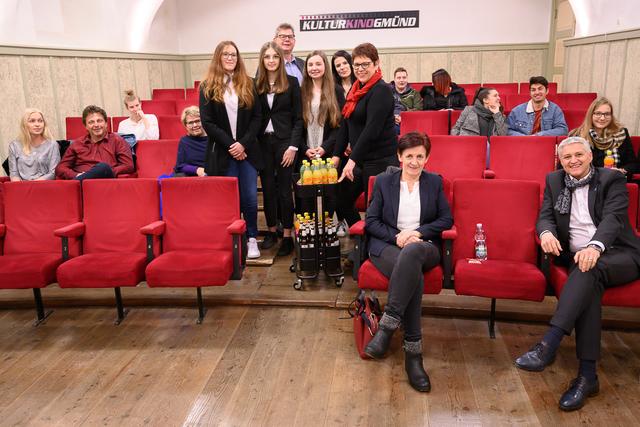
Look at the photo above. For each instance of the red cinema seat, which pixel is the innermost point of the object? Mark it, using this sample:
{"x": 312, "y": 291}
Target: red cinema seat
{"x": 469, "y": 88}
{"x": 419, "y": 85}
{"x": 573, "y": 118}
{"x": 30, "y": 251}
{"x": 526, "y": 158}
{"x": 429, "y": 122}
{"x": 155, "y": 158}
{"x": 181, "y": 104}
{"x": 512, "y": 101}
{"x": 635, "y": 143}
{"x": 456, "y": 157}
{"x": 114, "y": 253}
{"x": 160, "y": 108}
{"x": 203, "y": 235}
{"x": 470, "y": 97}
{"x": 454, "y": 115}
{"x": 167, "y": 94}
{"x": 524, "y": 88}
{"x": 75, "y": 129}
{"x": 171, "y": 127}
{"x": 504, "y": 88}
{"x": 621, "y": 296}
{"x": 196, "y": 84}
{"x": 116, "y": 122}
{"x": 4, "y": 179}
{"x": 193, "y": 95}
{"x": 573, "y": 101}
{"x": 508, "y": 211}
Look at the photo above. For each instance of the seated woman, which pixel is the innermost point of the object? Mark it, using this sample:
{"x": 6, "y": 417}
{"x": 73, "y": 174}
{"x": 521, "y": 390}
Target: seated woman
{"x": 407, "y": 214}
{"x": 444, "y": 94}
{"x": 484, "y": 118}
{"x": 604, "y": 133}
{"x": 143, "y": 126}
{"x": 192, "y": 146}
{"x": 34, "y": 155}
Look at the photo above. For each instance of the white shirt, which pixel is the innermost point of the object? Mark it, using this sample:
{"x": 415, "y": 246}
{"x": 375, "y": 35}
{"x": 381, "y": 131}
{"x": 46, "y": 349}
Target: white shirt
{"x": 138, "y": 129}
{"x": 231, "y": 105}
{"x": 270, "y": 97}
{"x": 409, "y": 209}
{"x": 581, "y": 226}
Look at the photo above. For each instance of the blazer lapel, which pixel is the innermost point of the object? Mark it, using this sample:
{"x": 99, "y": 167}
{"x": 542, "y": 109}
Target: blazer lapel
{"x": 395, "y": 195}
{"x": 593, "y": 192}
{"x": 424, "y": 197}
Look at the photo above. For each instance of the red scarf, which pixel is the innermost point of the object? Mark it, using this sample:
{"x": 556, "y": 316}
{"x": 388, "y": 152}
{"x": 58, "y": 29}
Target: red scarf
{"x": 355, "y": 94}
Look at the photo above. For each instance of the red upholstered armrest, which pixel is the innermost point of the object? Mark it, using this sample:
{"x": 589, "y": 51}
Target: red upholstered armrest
{"x": 488, "y": 174}
{"x": 238, "y": 226}
{"x": 357, "y": 229}
{"x": 128, "y": 175}
{"x": 156, "y": 228}
{"x": 3, "y": 230}
{"x": 74, "y": 230}
{"x": 450, "y": 234}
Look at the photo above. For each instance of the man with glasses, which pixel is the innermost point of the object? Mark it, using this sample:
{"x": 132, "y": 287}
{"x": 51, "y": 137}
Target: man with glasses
{"x": 286, "y": 39}
{"x": 193, "y": 146}
{"x": 538, "y": 116}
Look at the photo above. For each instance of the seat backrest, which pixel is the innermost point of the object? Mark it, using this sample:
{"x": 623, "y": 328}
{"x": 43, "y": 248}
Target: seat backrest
{"x": 155, "y": 158}
{"x": 167, "y": 94}
{"x": 507, "y": 210}
{"x": 170, "y": 127}
{"x": 75, "y": 129}
{"x": 511, "y": 101}
{"x": 573, "y": 101}
{"x": 524, "y": 88}
{"x": 454, "y": 115}
{"x": 504, "y": 88}
{"x": 419, "y": 85}
{"x": 469, "y": 88}
{"x": 160, "y": 108}
{"x": 573, "y": 118}
{"x": 198, "y": 211}
{"x": 196, "y": 84}
{"x": 181, "y": 104}
{"x": 528, "y": 158}
{"x": 429, "y": 122}
{"x": 456, "y": 157}
{"x": 635, "y": 143}
{"x": 34, "y": 209}
{"x": 116, "y": 121}
{"x": 114, "y": 212}
{"x": 632, "y": 189}
{"x": 192, "y": 94}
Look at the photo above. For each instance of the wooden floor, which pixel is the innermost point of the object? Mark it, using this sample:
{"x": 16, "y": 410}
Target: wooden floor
{"x": 281, "y": 366}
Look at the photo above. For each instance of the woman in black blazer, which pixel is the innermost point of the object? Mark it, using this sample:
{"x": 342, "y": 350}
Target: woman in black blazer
{"x": 280, "y": 138}
{"x": 230, "y": 114}
{"x": 407, "y": 214}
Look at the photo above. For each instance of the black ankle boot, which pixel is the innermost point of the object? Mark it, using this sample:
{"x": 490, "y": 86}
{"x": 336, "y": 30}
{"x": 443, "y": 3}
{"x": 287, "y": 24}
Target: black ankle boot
{"x": 418, "y": 378}
{"x": 379, "y": 344}
{"x": 269, "y": 240}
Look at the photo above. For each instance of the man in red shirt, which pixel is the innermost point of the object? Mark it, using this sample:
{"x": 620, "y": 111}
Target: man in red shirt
{"x": 99, "y": 154}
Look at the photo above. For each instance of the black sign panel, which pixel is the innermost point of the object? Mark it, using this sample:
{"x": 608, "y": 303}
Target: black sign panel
{"x": 360, "y": 21}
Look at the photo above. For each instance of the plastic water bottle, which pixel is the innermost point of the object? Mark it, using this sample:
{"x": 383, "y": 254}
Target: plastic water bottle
{"x": 481, "y": 243}
{"x": 609, "y": 160}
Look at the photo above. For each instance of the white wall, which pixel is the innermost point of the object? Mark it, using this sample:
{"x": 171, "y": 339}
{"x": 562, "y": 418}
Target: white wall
{"x": 594, "y": 17}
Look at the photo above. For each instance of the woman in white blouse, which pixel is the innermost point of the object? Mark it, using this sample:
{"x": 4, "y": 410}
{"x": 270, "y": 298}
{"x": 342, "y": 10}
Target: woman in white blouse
{"x": 407, "y": 214}
{"x": 143, "y": 126}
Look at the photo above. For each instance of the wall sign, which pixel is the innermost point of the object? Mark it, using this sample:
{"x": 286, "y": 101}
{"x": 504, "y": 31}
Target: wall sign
{"x": 360, "y": 21}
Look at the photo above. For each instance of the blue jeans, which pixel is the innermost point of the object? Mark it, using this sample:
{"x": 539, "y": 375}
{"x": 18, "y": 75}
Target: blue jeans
{"x": 248, "y": 184}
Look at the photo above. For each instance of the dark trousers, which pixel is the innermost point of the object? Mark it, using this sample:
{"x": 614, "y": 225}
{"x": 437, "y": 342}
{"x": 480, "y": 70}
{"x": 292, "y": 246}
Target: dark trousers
{"x": 580, "y": 307}
{"x": 405, "y": 270}
{"x": 276, "y": 182}
{"x": 99, "y": 170}
{"x": 349, "y": 191}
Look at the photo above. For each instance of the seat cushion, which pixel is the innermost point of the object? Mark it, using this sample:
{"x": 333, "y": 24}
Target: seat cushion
{"x": 369, "y": 277}
{"x": 26, "y": 271}
{"x": 621, "y": 296}
{"x": 103, "y": 270}
{"x": 499, "y": 279}
{"x": 190, "y": 269}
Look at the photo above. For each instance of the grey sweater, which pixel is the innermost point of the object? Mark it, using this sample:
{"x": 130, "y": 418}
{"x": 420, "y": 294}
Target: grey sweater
{"x": 39, "y": 164}
{"x": 468, "y": 124}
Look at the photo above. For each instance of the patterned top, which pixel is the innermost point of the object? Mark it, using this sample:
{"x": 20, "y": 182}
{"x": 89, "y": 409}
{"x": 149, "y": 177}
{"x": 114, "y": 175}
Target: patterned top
{"x": 315, "y": 130}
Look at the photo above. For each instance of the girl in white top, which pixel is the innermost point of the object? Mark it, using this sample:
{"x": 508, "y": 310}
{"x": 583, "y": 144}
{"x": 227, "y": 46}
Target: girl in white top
{"x": 143, "y": 126}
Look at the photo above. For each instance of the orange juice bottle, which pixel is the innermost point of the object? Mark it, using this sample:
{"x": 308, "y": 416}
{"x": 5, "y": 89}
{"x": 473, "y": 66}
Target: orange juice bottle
{"x": 307, "y": 175}
{"x": 609, "y": 160}
{"x": 317, "y": 174}
{"x": 323, "y": 171}
{"x": 332, "y": 173}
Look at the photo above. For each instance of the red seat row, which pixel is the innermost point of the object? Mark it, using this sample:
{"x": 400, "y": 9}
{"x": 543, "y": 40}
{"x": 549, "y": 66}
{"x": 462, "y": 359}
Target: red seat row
{"x": 112, "y": 236}
{"x": 190, "y": 94}
{"x": 169, "y": 125}
{"x": 503, "y": 88}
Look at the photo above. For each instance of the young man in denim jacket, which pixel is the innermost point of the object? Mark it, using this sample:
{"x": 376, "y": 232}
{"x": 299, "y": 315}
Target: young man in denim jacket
{"x": 539, "y": 116}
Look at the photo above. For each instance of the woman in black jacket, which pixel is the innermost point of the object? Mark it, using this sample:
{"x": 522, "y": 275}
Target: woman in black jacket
{"x": 444, "y": 94}
{"x": 231, "y": 117}
{"x": 343, "y": 75}
{"x": 280, "y": 138}
{"x": 369, "y": 126}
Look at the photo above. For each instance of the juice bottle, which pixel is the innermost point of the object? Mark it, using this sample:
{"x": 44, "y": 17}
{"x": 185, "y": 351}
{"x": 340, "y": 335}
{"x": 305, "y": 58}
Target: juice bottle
{"x": 317, "y": 173}
{"x": 332, "y": 173}
{"x": 323, "y": 170}
{"x": 609, "y": 160}
{"x": 307, "y": 177}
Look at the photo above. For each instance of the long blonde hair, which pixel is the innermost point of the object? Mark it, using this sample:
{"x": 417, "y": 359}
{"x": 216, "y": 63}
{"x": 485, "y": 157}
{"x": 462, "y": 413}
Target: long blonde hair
{"x": 25, "y": 136}
{"x": 329, "y": 110}
{"x": 587, "y": 124}
{"x": 262, "y": 80}
{"x": 213, "y": 84}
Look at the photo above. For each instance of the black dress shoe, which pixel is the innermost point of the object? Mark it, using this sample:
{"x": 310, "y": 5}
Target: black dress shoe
{"x": 269, "y": 240}
{"x": 579, "y": 390}
{"x": 539, "y": 357}
{"x": 286, "y": 247}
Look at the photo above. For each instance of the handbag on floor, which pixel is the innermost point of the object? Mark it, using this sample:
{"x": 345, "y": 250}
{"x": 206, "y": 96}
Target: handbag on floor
{"x": 366, "y": 315}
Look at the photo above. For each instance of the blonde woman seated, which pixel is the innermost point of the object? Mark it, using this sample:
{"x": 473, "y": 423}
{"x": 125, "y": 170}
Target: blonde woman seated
{"x": 484, "y": 117}
{"x": 143, "y": 126}
{"x": 34, "y": 155}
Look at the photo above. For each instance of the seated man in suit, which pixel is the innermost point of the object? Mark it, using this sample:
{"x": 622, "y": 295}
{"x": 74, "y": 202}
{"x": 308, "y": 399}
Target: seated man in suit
{"x": 584, "y": 223}
{"x": 98, "y": 154}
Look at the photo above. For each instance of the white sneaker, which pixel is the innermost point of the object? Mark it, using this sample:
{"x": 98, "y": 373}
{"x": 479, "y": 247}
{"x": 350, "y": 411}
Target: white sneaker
{"x": 252, "y": 248}
{"x": 342, "y": 229}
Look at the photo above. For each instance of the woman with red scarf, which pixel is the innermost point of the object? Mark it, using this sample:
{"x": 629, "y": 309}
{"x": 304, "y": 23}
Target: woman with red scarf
{"x": 368, "y": 126}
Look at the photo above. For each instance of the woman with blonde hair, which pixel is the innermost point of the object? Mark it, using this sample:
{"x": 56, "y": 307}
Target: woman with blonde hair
{"x": 605, "y": 133}
{"x": 34, "y": 155}
{"x": 231, "y": 117}
{"x": 143, "y": 126}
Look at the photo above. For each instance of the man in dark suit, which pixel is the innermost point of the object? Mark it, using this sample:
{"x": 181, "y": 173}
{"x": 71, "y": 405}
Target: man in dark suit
{"x": 584, "y": 223}
{"x": 285, "y": 37}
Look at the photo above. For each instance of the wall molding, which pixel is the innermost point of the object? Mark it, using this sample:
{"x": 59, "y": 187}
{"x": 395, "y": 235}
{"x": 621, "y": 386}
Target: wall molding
{"x": 602, "y": 38}
{"x": 40, "y": 51}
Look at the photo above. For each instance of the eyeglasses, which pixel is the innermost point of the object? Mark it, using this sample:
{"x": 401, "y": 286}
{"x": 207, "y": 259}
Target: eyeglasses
{"x": 229, "y": 55}
{"x": 600, "y": 115}
{"x": 362, "y": 65}
{"x": 193, "y": 123}
{"x": 286, "y": 36}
